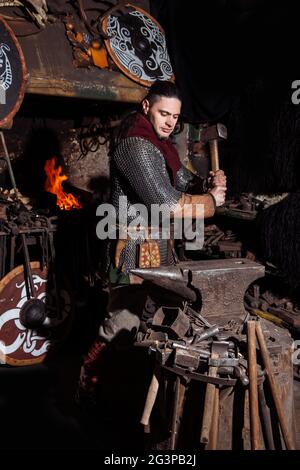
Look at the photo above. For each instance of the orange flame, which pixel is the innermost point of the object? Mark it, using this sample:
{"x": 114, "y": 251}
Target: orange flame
{"x": 55, "y": 178}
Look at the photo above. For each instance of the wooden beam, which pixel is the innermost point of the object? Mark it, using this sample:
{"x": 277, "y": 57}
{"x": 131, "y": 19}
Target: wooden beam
{"x": 49, "y": 60}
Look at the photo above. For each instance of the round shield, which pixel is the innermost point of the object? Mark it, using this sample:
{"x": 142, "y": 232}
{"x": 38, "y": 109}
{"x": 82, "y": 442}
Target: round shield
{"x": 137, "y": 45}
{"x": 12, "y": 75}
{"x": 19, "y": 345}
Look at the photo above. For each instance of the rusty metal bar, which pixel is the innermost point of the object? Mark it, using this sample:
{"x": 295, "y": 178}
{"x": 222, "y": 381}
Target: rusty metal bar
{"x": 266, "y": 419}
{"x": 7, "y": 159}
{"x": 287, "y": 437}
{"x": 177, "y": 411}
{"x": 28, "y": 267}
{"x": 208, "y": 404}
{"x": 246, "y": 425}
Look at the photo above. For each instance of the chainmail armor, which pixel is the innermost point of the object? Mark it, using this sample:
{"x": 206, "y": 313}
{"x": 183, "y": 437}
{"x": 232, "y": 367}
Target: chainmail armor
{"x": 184, "y": 178}
{"x": 139, "y": 172}
{"x": 186, "y": 181}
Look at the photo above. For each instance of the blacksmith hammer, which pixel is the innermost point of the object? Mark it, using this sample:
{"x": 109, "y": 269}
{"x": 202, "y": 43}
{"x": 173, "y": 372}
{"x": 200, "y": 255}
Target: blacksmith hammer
{"x": 212, "y": 134}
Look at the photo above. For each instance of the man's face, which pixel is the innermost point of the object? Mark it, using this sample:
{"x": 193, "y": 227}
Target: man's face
{"x": 163, "y": 115}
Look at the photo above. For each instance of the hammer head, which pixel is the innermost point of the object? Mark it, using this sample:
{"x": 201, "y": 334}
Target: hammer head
{"x": 215, "y": 132}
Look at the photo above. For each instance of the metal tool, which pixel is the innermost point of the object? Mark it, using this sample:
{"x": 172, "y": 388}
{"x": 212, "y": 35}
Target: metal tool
{"x": 212, "y": 134}
{"x": 220, "y": 284}
{"x": 288, "y": 439}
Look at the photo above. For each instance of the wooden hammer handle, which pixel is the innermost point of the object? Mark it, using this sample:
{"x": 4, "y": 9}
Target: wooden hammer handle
{"x": 214, "y": 429}
{"x": 214, "y": 155}
{"x": 208, "y": 403}
{"x": 253, "y": 392}
{"x": 150, "y": 400}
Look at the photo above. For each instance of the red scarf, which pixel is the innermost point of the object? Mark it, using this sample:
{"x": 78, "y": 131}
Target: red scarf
{"x": 143, "y": 128}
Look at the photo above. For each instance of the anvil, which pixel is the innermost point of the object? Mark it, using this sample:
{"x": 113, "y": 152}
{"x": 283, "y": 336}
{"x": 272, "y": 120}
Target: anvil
{"x": 217, "y": 285}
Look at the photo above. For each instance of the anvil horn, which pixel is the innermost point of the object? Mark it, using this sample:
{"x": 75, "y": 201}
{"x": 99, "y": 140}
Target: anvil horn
{"x": 171, "y": 278}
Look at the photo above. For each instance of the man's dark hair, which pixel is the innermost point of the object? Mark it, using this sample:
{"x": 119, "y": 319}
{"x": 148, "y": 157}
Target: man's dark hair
{"x": 157, "y": 90}
{"x": 161, "y": 89}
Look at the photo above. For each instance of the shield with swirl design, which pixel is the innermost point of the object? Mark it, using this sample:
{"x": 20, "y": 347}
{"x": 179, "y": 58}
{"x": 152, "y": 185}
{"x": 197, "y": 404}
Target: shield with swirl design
{"x": 13, "y": 75}
{"x": 20, "y": 345}
{"x": 137, "y": 45}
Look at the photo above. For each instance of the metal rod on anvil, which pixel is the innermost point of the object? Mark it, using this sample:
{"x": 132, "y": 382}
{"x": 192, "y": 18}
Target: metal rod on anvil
{"x": 10, "y": 170}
